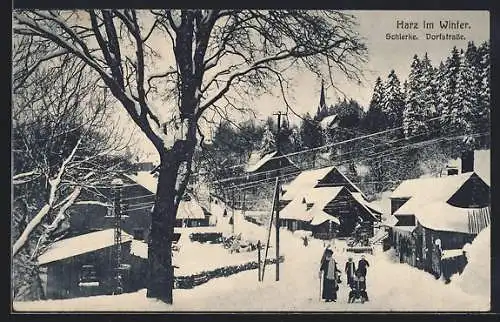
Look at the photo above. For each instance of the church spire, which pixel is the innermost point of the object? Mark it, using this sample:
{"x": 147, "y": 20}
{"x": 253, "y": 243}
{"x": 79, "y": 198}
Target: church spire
{"x": 322, "y": 102}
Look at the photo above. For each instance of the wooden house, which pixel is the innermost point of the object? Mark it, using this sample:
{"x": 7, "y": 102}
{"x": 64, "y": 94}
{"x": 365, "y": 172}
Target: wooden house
{"x": 85, "y": 265}
{"x": 328, "y": 212}
{"x": 268, "y": 166}
{"x": 322, "y": 177}
{"x": 438, "y": 214}
{"x": 189, "y": 213}
{"x": 330, "y": 122}
{"x": 95, "y": 210}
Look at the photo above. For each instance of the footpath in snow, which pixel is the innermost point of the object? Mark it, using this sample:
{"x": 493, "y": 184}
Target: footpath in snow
{"x": 391, "y": 286}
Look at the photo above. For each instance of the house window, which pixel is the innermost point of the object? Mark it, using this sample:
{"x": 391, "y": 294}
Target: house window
{"x": 138, "y": 233}
{"x": 88, "y": 275}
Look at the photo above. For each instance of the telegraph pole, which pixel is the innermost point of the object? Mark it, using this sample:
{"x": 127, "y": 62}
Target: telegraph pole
{"x": 232, "y": 207}
{"x": 278, "y": 198}
{"x": 118, "y": 183}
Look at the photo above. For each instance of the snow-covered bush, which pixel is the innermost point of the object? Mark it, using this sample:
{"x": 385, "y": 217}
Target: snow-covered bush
{"x": 206, "y": 237}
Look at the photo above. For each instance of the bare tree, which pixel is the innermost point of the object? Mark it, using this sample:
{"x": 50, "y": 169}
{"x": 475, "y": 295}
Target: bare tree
{"x": 218, "y": 55}
{"x": 60, "y": 149}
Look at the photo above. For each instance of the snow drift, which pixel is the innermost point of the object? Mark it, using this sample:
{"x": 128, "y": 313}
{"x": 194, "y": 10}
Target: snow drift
{"x": 475, "y": 279}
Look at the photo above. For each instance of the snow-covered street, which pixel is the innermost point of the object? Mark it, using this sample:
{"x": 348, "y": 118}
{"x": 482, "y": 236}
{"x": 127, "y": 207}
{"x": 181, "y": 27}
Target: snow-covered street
{"x": 391, "y": 286}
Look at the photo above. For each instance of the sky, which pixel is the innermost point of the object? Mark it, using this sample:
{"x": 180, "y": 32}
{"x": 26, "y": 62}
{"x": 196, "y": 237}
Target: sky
{"x": 383, "y": 56}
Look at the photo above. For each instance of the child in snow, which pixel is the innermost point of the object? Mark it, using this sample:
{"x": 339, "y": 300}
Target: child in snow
{"x": 358, "y": 288}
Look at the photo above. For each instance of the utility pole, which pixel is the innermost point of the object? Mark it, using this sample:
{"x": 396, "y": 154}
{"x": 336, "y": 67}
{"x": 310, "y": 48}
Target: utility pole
{"x": 118, "y": 183}
{"x": 278, "y": 189}
{"x": 232, "y": 211}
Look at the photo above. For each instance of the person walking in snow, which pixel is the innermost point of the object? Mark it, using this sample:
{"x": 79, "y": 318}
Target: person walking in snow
{"x": 362, "y": 266}
{"x": 350, "y": 269}
{"x": 330, "y": 276}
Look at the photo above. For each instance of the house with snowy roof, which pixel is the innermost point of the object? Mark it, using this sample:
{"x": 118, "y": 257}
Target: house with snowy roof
{"x": 322, "y": 177}
{"x": 329, "y": 122}
{"x": 190, "y": 212}
{"x": 326, "y": 202}
{"x": 96, "y": 213}
{"x": 438, "y": 214}
{"x": 267, "y": 166}
{"x": 85, "y": 265}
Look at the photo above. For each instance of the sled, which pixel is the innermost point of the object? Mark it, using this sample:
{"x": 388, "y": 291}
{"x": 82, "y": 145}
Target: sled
{"x": 355, "y": 296}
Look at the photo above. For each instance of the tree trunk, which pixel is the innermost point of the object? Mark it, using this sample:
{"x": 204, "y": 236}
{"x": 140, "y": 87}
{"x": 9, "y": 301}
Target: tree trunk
{"x": 161, "y": 277}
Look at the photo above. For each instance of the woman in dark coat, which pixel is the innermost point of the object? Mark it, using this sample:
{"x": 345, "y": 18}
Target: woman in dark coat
{"x": 330, "y": 276}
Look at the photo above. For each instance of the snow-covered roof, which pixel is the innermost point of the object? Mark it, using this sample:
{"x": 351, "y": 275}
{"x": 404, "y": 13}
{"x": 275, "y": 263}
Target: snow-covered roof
{"x": 187, "y": 209}
{"x": 390, "y": 221}
{"x": 139, "y": 248}
{"x": 320, "y": 217}
{"x": 319, "y": 197}
{"x": 350, "y": 182}
{"x": 369, "y": 206}
{"x": 254, "y": 165}
{"x": 145, "y": 179}
{"x": 305, "y": 180}
{"x": 190, "y": 209}
{"x": 445, "y": 217}
{"x": 436, "y": 188}
{"x": 328, "y": 121}
{"x": 86, "y": 243}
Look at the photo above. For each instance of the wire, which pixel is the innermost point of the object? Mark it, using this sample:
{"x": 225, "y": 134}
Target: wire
{"x": 345, "y": 141}
{"x": 139, "y": 208}
{"x": 138, "y": 197}
{"x": 343, "y": 154}
{"x": 141, "y": 204}
{"x": 371, "y": 157}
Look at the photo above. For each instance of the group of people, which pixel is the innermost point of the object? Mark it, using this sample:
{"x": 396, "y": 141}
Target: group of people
{"x": 356, "y": 277}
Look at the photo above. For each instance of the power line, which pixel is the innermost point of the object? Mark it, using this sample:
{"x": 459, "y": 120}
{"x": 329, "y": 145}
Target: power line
{"x": 343, "y": 154}
{"x": 345, "y": 141}
{"x": 139, "y": 197}
{"x": 140, "y": 208}
{"x": 371, "y": 157}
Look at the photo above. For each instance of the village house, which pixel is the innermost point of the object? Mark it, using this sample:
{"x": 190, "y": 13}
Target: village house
{"x": 327, "y": 203}
{"x": 435, "y": 217}
{"x": 87, "y": 246}
{"x": 189, "y": 213}
{"x": 97, "y": 211}
{"x": 322, "y": 177}
{"x": 268, "y": 166}
{"x": 85, "y": 265}
{"x": 329, "y": 122}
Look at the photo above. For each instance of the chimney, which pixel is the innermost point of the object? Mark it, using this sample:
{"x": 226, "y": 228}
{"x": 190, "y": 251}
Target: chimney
{"x": 468, "y": 161}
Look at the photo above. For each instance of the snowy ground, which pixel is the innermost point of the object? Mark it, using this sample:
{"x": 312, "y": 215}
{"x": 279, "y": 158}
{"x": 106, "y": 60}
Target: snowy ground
{"x": 391, "y": 286}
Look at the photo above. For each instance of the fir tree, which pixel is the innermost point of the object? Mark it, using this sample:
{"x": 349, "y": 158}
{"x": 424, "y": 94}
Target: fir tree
{"x": 393, "y": 103}
{"x": 375, "y": 118}
{"x": 440, "y": 81}
{"x": 268, "y": 143}
{"x": 462, "y": 116}
{"x": 310, "y": 132}
{"x": 449, "y": 88}
{"x": 429, "y": 89}
{"x": 414, "y": 114}
{"x": 483, "y": 108}
{"x": 295, "y": 139}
